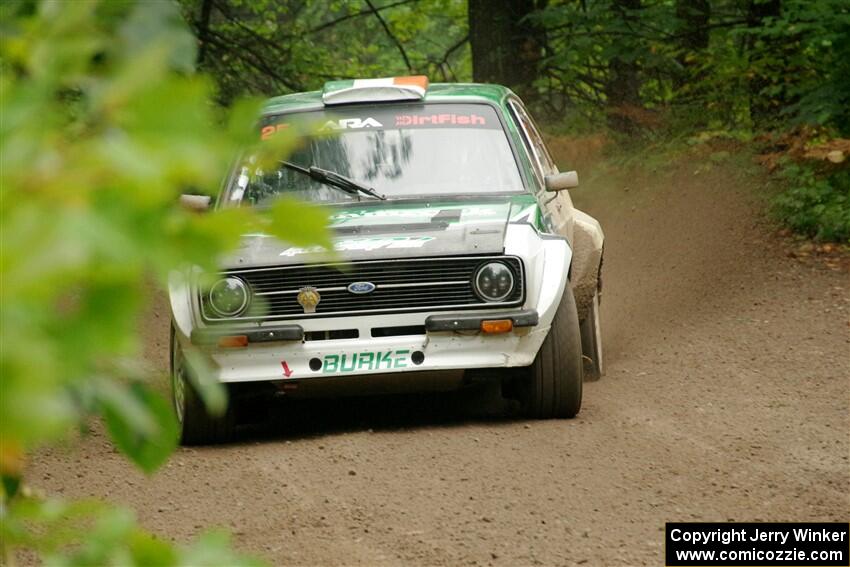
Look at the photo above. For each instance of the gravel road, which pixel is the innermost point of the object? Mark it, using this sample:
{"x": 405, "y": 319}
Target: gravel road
{"x": 727, "y": 397}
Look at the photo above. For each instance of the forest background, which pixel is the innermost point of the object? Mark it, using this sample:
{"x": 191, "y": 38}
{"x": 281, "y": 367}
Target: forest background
{"x": 773, "y": 75}
{"x": 111, "y": 109}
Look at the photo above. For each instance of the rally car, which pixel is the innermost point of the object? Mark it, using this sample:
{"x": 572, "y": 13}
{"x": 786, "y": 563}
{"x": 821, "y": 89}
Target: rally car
{"x": 458, "y": 254}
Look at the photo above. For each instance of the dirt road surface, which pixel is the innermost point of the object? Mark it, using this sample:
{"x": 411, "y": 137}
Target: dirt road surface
{"x": 727, "y": 397}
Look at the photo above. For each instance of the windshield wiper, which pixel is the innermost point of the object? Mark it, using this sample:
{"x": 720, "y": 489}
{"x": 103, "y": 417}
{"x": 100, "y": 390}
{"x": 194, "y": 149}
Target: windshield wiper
{"x": 334, "y": 179}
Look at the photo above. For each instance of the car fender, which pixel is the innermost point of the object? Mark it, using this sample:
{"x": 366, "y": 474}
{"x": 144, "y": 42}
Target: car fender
{"x": 547, "y": 263}
{"x": 180, "y": 297}
{"x": 588, "y": 242}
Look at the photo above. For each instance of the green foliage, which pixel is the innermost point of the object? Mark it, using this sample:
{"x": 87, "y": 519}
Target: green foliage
{"x": 825, "y": 98}
{"x": 678, "y": 65}
{"x": 104, "y": 535}
{"x": 736, "y": 68}
{"x": 103, "y": 126}
{"x": 800, "y": 61}
{"x": 140, "y": 423}
{"x": 816, "y": 205}
{"x": 276, "y": 47}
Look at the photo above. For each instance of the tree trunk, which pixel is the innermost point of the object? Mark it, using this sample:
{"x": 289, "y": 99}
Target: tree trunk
{"x": 763, "y": 108}
{"x": 506, "y": 46}
{"x": 693, "y": 33}
{"x": 622, "y": 89}
{"x": 693, "y": 16}
{"x": 202, "y": 27}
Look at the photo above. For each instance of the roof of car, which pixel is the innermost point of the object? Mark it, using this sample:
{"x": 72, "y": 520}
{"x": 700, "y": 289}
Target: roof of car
{"x": 437, "y": 92}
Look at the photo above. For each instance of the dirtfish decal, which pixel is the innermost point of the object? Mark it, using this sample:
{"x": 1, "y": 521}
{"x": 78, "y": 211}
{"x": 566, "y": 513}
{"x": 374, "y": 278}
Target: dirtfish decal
{"x": 367, "y": 244}
{"x": 381, "y": 360}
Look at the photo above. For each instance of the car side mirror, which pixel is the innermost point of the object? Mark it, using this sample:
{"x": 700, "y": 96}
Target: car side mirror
{"x": 197, "y": 203}
{"x": 561, "y": 181}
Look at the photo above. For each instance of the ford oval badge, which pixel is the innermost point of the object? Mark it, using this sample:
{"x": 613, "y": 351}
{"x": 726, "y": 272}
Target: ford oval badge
{"x": 361, "y": 288}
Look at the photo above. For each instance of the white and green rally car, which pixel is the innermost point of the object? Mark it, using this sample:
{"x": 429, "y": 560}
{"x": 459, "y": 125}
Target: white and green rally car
{"x": 459, "y": 253}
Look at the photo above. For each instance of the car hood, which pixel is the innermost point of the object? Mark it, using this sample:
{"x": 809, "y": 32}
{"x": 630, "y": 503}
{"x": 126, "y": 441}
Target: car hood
{"x": 383, "y": 230}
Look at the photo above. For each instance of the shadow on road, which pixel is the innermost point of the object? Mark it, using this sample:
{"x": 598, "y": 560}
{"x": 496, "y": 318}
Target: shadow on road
{"x": 291, "y": 419}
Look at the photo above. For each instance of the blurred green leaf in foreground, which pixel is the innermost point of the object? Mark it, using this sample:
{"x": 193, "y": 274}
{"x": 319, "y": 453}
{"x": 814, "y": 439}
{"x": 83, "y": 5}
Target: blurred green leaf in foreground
{"x": 102, "y": 126}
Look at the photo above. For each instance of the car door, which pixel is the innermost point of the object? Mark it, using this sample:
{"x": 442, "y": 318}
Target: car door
{"x": 557, "y": 207}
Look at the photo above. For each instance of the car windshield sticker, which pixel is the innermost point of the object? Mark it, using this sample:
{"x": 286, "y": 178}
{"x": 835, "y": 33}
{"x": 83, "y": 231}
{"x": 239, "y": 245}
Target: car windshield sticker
{"x": 350, "y": 123}
{"x": 446, "y": 119}
{"x": 268, "y": 131}
{"x": 408, "y": 117}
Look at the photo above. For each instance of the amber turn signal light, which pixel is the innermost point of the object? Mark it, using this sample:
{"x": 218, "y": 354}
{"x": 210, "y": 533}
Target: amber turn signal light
{"x": 498, "y": 326}
{"x": 233, "y": 342}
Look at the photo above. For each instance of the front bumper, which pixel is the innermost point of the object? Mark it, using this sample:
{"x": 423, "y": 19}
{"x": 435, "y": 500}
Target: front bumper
{"x": 295, "y": 332}
{"x": 472, "y": 322}
{"x": 430, "y": 348}
{"x": 463, "y": 347}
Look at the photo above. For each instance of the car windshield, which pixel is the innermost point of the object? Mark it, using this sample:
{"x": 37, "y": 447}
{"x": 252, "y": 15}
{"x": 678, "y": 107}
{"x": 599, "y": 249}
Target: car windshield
{"x": 400, "y": 151}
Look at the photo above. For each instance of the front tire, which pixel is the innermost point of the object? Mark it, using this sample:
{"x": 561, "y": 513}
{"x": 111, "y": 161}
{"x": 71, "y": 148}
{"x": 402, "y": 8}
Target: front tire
{"x": 552, "y": 386}
{"x": 197, "y": 425}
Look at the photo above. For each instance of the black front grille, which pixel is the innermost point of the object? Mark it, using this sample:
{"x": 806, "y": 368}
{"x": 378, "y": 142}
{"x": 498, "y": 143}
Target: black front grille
{"x": 417, "y": 284}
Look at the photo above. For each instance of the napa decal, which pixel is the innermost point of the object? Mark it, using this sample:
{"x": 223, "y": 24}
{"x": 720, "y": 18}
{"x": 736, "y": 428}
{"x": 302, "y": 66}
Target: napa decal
{"x": 378, "y": 360}
{"x": 367, "y": 244}
{"x": 270, "y": 130}
{"x": 350, "y": 124}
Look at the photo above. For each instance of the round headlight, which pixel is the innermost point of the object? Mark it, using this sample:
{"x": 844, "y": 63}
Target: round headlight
{"x": 493, "y": 281}
{"x": 229, "y": 297}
